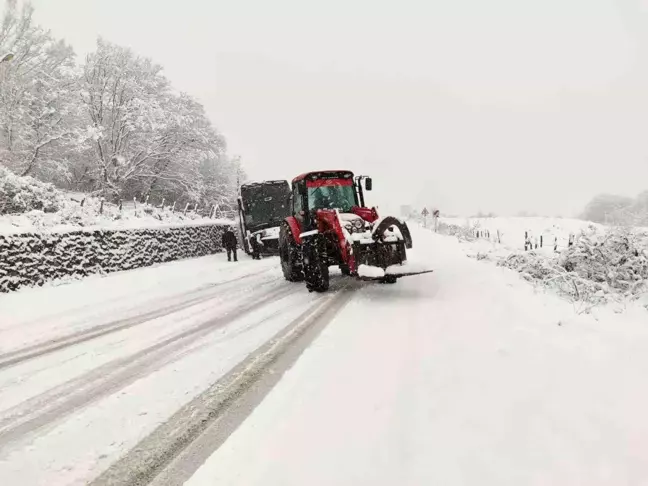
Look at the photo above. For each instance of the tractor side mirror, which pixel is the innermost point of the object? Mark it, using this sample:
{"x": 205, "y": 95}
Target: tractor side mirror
{"x": 368, "y": 184}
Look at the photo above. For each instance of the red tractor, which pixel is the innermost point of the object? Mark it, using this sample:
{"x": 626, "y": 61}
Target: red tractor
{"x": 330, "y": 225}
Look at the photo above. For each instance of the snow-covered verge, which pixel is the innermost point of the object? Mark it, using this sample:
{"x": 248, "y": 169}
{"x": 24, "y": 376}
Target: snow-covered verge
{"x": 604, "y": 265}
{"x": 37, "y": 258}
{"x": 28, "y": 205}
{"x": 599, "y": 268}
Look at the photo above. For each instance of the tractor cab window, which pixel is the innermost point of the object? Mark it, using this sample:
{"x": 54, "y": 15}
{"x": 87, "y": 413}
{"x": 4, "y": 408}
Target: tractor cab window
{"x": 332, "y": 197}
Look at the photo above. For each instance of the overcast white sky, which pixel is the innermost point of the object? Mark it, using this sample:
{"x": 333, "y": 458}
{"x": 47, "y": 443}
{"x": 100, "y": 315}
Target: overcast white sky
{"x": 498, "y": 105}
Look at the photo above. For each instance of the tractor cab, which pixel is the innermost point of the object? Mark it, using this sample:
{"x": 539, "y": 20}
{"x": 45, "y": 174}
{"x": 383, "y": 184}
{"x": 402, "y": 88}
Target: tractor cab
{"x": 329, "y": 190}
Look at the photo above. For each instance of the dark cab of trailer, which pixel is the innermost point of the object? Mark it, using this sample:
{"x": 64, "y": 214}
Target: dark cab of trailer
{"x": 264, "y": 204}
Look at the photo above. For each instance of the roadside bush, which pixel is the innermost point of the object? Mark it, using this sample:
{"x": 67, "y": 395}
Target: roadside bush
{"x": 597, "y": 269}
{"x": 24, "y": 194}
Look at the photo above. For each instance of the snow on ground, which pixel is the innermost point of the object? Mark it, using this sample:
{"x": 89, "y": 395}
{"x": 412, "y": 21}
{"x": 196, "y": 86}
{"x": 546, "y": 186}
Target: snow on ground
{"x": 83, "y": 304}
{"x": 463, "y": 376}
{"x": 72, "y": 216}
{"x": 512, "y": 229}
{"x": 605, "y": 265}
{"x": 170, "y": 332}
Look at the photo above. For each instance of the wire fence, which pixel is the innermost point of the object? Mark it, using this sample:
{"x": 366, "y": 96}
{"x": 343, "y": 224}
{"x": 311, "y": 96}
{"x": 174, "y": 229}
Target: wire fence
{"x": 211, "y": 211}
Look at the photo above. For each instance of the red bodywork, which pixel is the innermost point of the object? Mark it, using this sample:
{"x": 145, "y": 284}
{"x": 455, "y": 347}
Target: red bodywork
{"x": 327, "y": 220}
{"x": 368, "y": 214}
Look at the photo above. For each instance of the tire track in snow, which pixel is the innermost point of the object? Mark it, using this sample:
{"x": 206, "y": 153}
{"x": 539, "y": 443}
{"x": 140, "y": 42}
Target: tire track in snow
{"x": 46, "y": 409}
{"x": 38, "y": 350}
{"x": 173, "y": 451}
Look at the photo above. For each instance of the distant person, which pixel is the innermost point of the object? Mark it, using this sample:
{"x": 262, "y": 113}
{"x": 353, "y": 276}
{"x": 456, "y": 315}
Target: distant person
{"x": 230, "y": 243}
{"x": 256, "y": 250}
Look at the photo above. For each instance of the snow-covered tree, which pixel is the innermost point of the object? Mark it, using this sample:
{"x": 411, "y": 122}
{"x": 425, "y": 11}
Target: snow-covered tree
{"x": 113, "y": 125}
{"x": 39, "y": 112}
{"x": 146, "y": 137}
{"x": 603, "y": 207}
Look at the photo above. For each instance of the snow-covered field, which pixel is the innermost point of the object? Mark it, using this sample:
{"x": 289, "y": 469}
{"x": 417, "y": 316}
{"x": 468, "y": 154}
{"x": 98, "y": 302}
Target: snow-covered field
{"x": 512, "y": 230}
{"x": 467, "y": 375}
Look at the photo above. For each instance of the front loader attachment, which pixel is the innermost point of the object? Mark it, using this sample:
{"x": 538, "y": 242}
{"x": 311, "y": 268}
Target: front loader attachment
{"x": 368, "y": 272}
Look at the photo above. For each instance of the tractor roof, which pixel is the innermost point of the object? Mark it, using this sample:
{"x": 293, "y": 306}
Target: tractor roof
{"x": 329, "y": 174}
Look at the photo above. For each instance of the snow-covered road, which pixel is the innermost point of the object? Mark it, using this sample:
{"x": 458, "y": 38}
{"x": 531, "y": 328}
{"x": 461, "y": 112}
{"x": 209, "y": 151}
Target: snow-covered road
{"x": 89, "y": 369}
{"x": 463, "y": 376}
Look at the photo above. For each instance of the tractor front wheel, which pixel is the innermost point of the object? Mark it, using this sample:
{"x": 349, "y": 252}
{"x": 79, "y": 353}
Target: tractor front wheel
{"x": 316, "y": 270}
{"x": 289, "y": 255}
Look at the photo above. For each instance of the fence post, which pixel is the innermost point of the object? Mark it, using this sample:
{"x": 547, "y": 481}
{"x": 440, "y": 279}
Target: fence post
{"x": 101, "y": 205}
{"x": 555, "y": 243}
{"x": 499, "y": 239}
{"x": 146, "y": 200}
{"x": 540, "y": 241}
{"x": 185, "y": 209}
{"x": 213, "y": 210}
{"x": 121, "y": 204}
{"x": 526, "y": 240}
{"x": 135, "y": 202}
{"x": 173, "y": 207}
{"x": 162, "y": 203}
{"x": 83, "y": 201}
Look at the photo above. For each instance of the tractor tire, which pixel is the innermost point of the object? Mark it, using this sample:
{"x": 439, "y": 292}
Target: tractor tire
{"x": 316, "y": 270}
{"x": 289, "y": 253}
{"x": 344, "y": 268}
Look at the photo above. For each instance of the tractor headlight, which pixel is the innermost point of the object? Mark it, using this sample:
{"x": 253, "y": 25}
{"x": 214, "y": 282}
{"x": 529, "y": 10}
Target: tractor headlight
{"x": 358, "y": 224}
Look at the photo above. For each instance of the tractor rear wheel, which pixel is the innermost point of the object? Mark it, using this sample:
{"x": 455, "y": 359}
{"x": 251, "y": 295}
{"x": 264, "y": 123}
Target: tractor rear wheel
{"x": 290, "y": 255}
{"x": 316, "y": 270}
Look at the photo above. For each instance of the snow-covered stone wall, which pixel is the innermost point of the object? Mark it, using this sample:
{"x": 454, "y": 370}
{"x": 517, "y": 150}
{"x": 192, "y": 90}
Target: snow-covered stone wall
{"x": 35, "y": 258}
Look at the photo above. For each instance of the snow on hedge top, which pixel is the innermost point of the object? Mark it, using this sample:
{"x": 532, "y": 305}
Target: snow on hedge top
{"x": 28, "y": 206}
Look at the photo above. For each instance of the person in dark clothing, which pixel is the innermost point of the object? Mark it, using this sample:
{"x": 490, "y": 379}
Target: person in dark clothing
{"x": 229, "y": 243}
{"x": 255, "y": 249}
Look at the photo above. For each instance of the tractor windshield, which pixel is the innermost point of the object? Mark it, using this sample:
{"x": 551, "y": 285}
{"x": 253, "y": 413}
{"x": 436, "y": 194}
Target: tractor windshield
{"x": 338, "y": 197}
